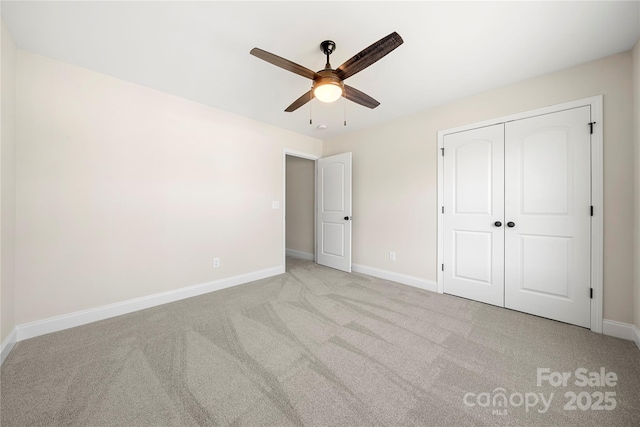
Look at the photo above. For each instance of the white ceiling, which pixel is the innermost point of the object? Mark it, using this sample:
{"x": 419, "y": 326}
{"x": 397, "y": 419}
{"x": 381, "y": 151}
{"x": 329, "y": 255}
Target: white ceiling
{"x": 200, "y": 50}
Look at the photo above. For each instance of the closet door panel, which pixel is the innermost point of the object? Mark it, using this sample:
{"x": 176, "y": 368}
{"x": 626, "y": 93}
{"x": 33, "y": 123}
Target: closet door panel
{"x": 474, "y": 202}
{"x": 548, "y": 199}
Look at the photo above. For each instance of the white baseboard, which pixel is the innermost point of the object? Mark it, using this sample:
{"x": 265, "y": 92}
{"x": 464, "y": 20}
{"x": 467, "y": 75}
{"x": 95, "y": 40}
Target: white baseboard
{"x": 59, "y": 323}
{"x": 300, "y": 254}
{"x": 7, "y": 345}
{"x": 416, "y": 282}
{"x": 625, "y": 331}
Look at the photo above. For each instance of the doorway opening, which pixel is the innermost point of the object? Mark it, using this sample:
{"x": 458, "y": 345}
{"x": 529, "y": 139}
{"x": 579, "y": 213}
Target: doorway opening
{"x": 317, "y": 203}
{"x": 299, "y": 207}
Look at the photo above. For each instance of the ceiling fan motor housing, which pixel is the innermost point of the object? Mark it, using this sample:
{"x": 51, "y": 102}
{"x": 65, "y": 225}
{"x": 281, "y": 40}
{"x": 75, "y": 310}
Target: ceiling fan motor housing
{"x": 328, "y": 77}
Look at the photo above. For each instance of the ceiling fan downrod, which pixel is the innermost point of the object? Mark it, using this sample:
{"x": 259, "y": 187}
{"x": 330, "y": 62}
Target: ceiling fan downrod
{"x": 327, "y": 47}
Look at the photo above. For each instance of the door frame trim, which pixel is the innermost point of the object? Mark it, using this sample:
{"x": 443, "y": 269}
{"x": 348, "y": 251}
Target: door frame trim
{"x": 288, "y": 152}
{"x": 597, "y": 192}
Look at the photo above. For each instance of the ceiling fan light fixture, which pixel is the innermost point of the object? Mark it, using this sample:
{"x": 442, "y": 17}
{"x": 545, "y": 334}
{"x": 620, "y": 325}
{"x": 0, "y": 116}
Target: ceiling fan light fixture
{"x": 327, "y": 88}
{"x": 328, "y": 92}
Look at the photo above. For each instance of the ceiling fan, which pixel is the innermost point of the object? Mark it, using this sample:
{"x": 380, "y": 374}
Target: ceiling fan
{"x": 328, "y": 84}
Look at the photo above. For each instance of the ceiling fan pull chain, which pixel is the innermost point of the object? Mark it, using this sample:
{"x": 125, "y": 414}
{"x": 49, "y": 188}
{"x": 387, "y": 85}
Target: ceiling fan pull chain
{"x": 345, "y": 111}
{"x": 310, "y": 112}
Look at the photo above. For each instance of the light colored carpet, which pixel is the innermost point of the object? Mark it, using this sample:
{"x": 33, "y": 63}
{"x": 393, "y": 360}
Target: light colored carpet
{"x": 316, "y": 347}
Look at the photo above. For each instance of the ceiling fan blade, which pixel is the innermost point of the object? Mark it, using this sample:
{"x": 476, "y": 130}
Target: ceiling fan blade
{"x": 283, "y": 63}
{"x": 353, "y": 94}
{"x": 370, "y": 55}
{"x": 300, "y": 102}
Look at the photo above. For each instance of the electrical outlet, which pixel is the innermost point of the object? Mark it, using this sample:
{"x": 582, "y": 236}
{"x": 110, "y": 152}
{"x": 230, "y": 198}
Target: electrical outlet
{"x": 216, "y": 262}
{"x": 392, "y": 256}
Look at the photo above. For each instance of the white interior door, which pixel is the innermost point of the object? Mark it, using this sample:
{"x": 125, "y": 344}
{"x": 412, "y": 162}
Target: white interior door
{"x": 334, "y": 212}
{"x": 547, "y": 210}
{"x": 473, "y": 214}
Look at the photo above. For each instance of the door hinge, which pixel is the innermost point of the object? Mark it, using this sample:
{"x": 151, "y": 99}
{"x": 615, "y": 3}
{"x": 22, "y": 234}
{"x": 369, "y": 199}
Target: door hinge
{"x": 591, "y": 210}
{"x": 591, "y": 294}
{"x": 442, "y": 267}
{"x": 591, "y": 127}
{"x": 443, "y": 209}
{"x": 442, "y": 149}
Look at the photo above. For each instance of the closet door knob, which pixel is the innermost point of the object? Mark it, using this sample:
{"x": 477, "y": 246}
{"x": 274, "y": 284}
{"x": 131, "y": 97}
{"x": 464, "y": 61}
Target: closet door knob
{"x": 511, "y": 224}
{"x": 497, "y": 224}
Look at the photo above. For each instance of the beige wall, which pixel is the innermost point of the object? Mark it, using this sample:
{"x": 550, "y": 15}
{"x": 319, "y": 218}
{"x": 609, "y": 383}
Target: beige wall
{"x": 7, "y": 182}
{"x": 124, "y": 191}
{"x": 395, "y": 173}
{"x": 636, "y": 117}
{"x": 300, "y": 204}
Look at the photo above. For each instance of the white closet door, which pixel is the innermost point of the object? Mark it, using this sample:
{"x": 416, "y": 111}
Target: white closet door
{"x": 473, "y": 216}
{"x": 548, "y": 200}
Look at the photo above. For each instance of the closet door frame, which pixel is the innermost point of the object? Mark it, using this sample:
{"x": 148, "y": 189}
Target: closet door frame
{"x": 597, "y": 193}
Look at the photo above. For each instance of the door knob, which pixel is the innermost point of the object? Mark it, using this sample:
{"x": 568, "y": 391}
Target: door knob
{"x": 511, "y": 224}
{"x": 347, "y": 218}
{"x": 497, "y": 224}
